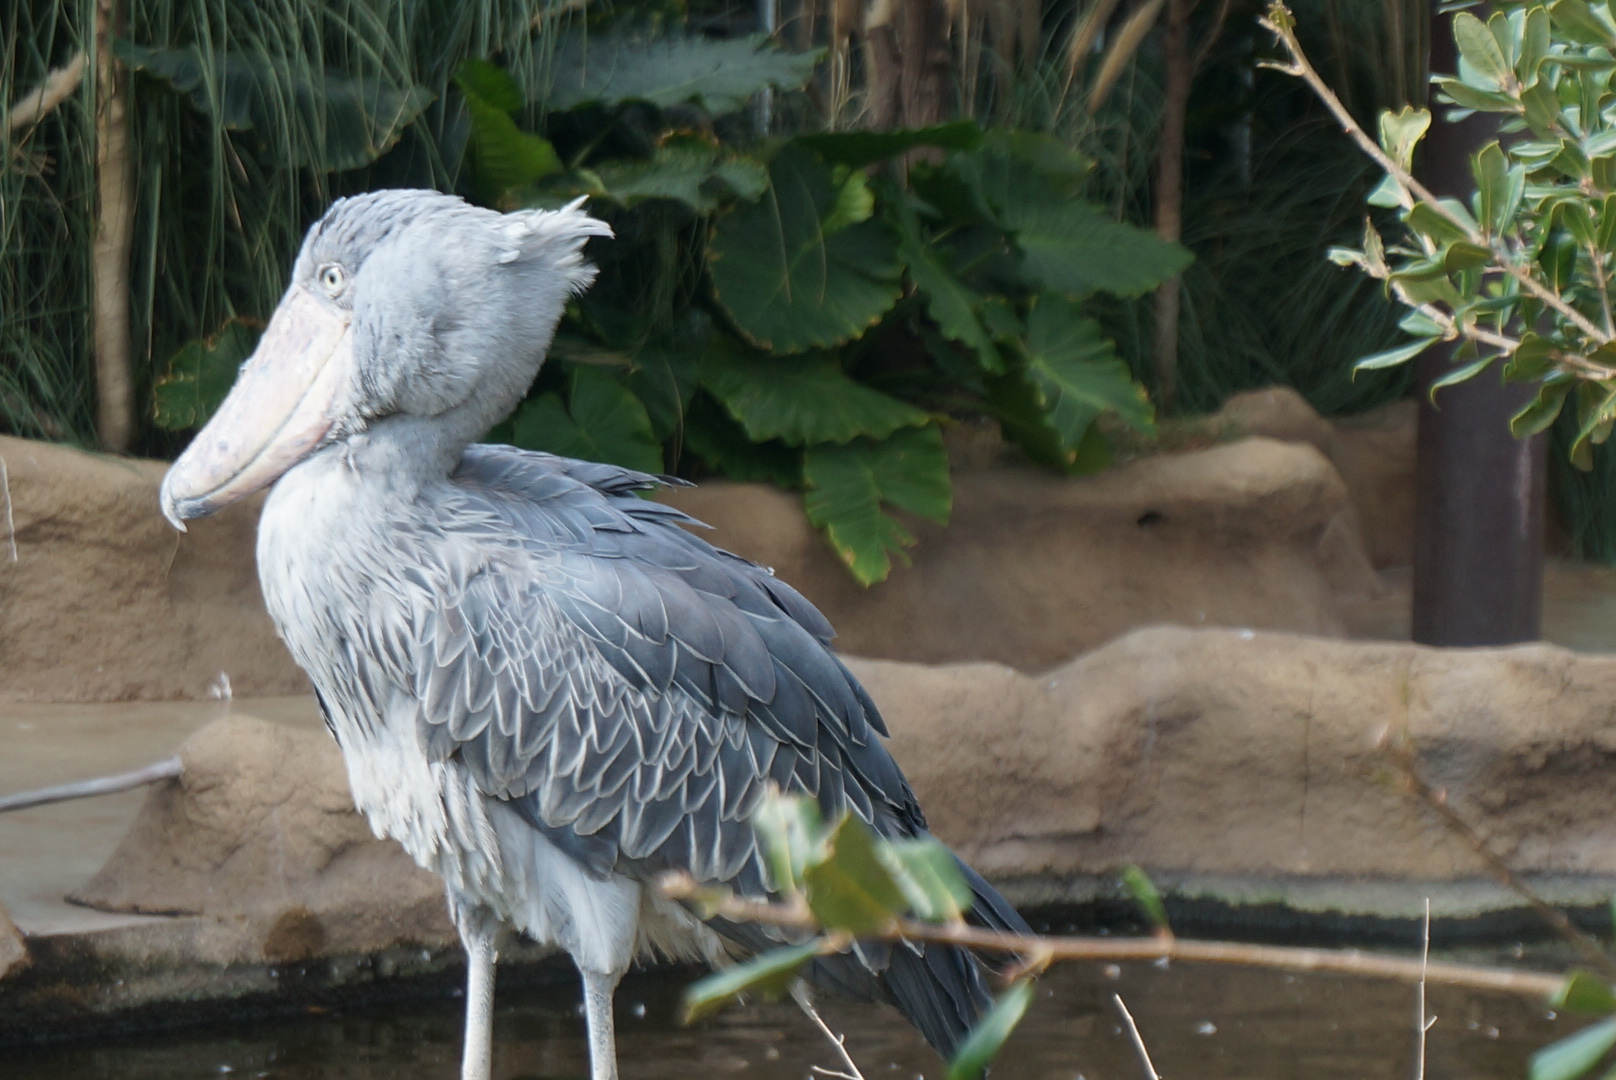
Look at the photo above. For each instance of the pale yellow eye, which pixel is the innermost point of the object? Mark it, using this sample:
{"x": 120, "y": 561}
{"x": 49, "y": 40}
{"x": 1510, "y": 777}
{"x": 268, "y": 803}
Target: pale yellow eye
{"x": 333, "y": 278}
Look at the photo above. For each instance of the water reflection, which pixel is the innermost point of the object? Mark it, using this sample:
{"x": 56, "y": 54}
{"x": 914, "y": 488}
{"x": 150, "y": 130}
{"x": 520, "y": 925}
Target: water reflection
{"x": 1201, "y": 1023}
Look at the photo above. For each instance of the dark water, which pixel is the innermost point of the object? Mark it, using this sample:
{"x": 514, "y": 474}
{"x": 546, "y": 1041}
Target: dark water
{"x": 1199, "y": 1023}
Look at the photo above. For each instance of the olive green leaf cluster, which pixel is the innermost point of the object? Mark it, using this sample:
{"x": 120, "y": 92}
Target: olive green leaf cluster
{"x": 1518, "y": 274}
{"x": 852, "y": 883}
{"x": 789, "y": 311}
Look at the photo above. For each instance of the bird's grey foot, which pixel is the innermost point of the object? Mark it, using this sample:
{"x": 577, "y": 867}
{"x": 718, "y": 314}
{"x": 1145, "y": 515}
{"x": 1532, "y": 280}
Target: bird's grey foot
{"x": 479, "y": 933}
{"x": 598, "y": 990}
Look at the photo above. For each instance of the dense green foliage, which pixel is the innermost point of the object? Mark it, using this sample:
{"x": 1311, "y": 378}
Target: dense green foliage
{"x": 244, "y": 129}
{"x": 809, "y": 321}
{"x": 1520, "y": 274}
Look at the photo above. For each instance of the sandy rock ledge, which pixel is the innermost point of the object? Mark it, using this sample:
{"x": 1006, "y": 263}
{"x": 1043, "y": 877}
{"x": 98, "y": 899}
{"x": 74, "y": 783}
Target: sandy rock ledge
{"x": 1241, "y": 769}
{"x": 106, "y": 602}
{"x": 260, "y": 836}
{"x": 1200, "y": 755}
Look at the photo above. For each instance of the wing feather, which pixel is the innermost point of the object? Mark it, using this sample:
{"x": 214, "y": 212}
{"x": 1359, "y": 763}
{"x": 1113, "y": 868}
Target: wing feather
{"x": 631, "y": 689}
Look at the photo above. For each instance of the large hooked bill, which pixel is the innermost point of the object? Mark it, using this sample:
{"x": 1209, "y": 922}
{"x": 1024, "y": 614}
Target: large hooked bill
{"x": 279, "y": 410}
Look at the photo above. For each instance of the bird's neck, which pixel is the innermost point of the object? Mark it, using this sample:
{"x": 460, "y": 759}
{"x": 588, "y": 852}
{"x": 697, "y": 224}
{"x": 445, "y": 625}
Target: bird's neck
{"x": 401, "y": 455}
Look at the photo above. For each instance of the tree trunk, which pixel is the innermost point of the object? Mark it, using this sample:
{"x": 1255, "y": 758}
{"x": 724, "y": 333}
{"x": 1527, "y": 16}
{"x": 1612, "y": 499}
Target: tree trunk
{"x": 1170, "y": 196}
{"x": 910, "y": 63}
{"x": 1478, "y": 547}
{"x": 115, "y": 416}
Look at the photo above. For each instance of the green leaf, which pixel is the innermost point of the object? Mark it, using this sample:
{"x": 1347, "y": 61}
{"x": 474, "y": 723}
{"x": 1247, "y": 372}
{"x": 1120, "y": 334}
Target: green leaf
{"x": 1491, "y": 170}
{"x": 1577, "y": 21}
{"x": 1463, "y": 255}
{"x": 489, "y": 83}
{"x": 785, "y": 278}
{"x": 716, "y": 437}
{"x": 720, "y": 76}
{"x": 201, "y": 374}
{"x": 1536, "y": 43}
{"x": 662, "y": 374}
{"x": 850, "y": 487}
{"x": 1419, "y": 324}
{"x": 1392, "y": 357}
{"x": 991, "y": 1031}
{"x": 789, "y": 828}
{"x": 1479, "y": 49}
{"x": 503, "y": 155}
{"x": 1387, "y": 193}
{"x": 769, "y": 975}
{"x": 1532, "y": 360}
{"x": 1468, "y": 97}
{"x": 357, "y": 118}
{"x": 952, "y": 304}
{"x": 1574, "y": 1055}
{"x": 602, "y": 421}
{"x": 1585, "y": 993}
{"x": 1032, "y": 190}
{"x": 1401, "y": 132}
{"x": 689, "y": 171}
{"x": 1558, "y": 260}
{"x": 1542, "y": 109}
{"x": 800, "y": 399}
{"x": 929, "y": 876}
{"x": 1427, "y": 220}
{"x": 857, "y": 149}
{"x": 1542, "y": 411}
{"x": 849, "y": 888}
{"x": 1077, "y": 372}
{"x": 1144, "y": 893}
{"x": 1460, "y": 374}
{"x": 855, "y": 202}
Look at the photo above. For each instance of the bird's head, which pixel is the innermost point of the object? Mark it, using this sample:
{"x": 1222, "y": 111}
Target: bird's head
{"x": 402, "y": 303}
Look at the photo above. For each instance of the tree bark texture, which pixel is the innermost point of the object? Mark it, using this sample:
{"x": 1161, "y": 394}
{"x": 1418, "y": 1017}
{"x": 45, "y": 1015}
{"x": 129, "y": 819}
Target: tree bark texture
{"x": 1478, "y": 542}
{"x": 1170, "y": 195}
{"x": 910, "y": 63}
{"x": 115, "y": 415}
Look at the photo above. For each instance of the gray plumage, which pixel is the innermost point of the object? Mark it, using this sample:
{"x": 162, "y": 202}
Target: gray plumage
{"x": 545, "y": 686}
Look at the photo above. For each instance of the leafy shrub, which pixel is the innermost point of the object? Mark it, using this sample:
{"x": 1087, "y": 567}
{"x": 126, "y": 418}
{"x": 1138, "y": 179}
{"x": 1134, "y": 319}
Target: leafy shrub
{"x": 805, "y": 311}
{"x": 1519, "y": 273}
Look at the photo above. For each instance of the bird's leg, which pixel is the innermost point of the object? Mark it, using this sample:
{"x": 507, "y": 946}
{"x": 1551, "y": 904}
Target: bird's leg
{"x": 599, "y": 987}
{"x": 481, "y": 939}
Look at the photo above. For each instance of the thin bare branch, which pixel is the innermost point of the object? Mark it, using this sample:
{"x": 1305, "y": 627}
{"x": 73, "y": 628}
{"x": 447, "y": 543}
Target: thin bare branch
{"x": 84, "y": 789}
{"x": 1414, "y": 784}
{"x": 1138, "y": 1042}
{"x": 680, "y": 886}
{"x": 799, "y": 994}
{"x": 1421, "y": 1023}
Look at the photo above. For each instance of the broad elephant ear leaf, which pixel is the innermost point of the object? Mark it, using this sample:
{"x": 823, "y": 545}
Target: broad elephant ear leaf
{"x": 719, "y": 76}
{"x": 1031, "y": 189}
{"x": 851, "y": 488}
{"x": 684, "y": 170}
{"x": 201, "y": 373}
{"x": 1068, "y": 376}
{"x": 856, "y": 149}
{"x": 801, "y": 399}
{"x": 799, "y": 268}
{"x": 346, "y": 121}
{"x": 503, "y": 155}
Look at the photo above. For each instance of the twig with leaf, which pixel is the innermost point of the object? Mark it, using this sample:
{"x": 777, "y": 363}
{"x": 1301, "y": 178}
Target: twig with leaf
{"x": 1520, "y": 272}
{"x": 837, "y": 883}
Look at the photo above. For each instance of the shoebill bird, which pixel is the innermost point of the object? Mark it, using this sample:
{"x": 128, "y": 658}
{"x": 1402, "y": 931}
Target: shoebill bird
{"x": 544, "y": 686}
